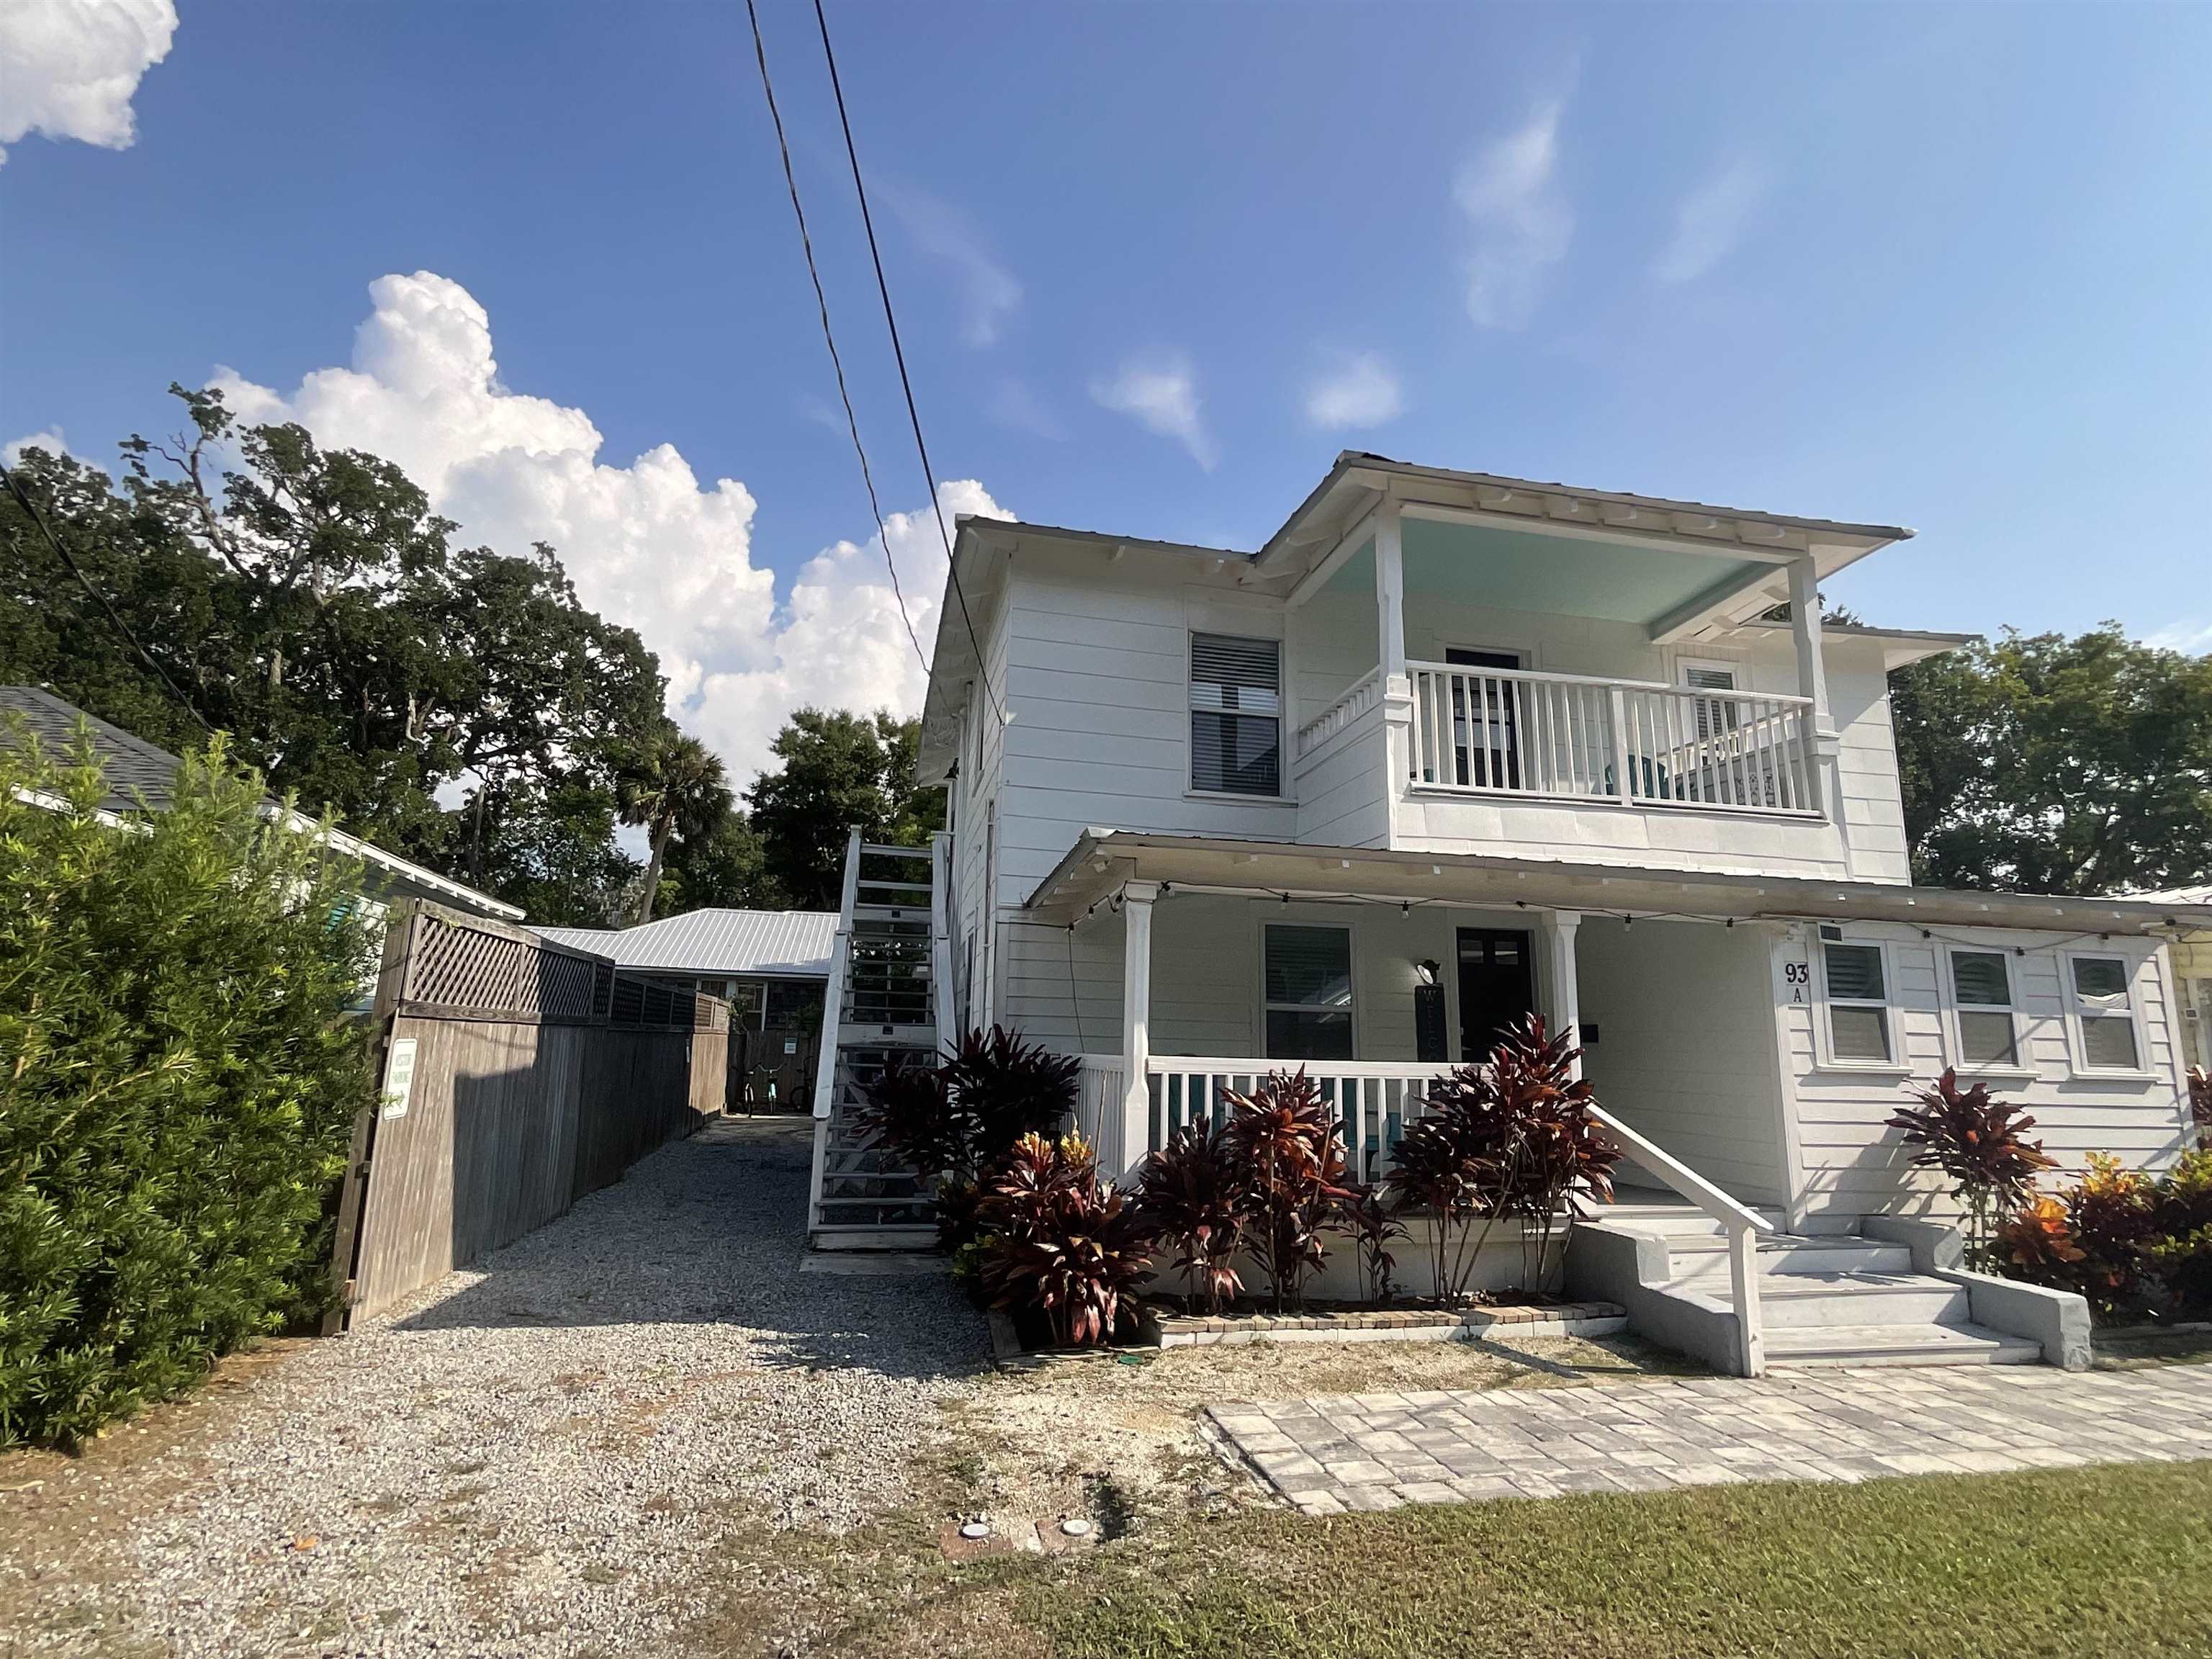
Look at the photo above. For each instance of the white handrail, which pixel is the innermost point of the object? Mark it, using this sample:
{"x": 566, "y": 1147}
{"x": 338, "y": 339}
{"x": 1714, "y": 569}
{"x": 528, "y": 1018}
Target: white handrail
{"x": 1356, "y": 699}
{"x": 1593, "y": 679}
{"x": 1742, "y": 1224}
{"x": 940, "y": 938}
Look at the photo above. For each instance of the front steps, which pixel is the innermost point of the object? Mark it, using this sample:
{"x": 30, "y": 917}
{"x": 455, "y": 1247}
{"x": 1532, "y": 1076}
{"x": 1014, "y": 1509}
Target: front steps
{"x": 1826, "y": 1298}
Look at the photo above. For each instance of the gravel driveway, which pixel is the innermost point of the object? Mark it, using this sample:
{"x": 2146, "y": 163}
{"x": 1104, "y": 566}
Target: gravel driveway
{"x": 536, "y": 1457}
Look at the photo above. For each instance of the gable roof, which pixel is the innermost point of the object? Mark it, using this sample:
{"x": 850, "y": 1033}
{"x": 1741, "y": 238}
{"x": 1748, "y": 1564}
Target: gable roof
{"x": 142, "y": 777}
{"x": 773, "y": 944}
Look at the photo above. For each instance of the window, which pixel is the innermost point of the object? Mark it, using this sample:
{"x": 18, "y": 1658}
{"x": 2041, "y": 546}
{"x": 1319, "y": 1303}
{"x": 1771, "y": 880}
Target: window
{"x": 2105, "y": 1013}
{"x": 1981, "y": 991}
{"x": 1235, "y": 715}
{"x": 1858, "y": 1003}
{"x": 1309, "y": 993}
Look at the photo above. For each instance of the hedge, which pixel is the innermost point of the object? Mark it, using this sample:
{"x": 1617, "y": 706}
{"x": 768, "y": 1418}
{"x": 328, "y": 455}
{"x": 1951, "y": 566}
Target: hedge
{"x": 178, "y": 1082}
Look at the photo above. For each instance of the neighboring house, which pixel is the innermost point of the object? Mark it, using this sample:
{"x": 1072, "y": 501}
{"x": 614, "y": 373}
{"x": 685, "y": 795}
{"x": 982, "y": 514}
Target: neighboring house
{"x": 771, "y": 965}
{"x": 1449, "y": 748}
{"x": 2192, "y": 968}
{"x": 139, "y": 772}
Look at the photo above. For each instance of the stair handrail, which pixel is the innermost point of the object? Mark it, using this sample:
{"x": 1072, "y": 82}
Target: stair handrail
{"x": 940, "y": 937}
{"x": 1742, "y": 1223}
{"x": 833, "y": 996}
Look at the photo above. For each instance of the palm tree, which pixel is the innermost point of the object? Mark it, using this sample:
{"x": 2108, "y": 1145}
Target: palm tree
{"x": 679, "y": 788}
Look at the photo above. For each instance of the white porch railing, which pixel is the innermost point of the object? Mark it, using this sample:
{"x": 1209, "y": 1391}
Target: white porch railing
{"x": 1515, "y": 732}
{"x": 1375, "y": 1101}
{"x": 1362, "y": 695}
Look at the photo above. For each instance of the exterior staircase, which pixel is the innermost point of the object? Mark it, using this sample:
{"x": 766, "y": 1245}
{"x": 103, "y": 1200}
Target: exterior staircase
{"x": 891, "y": 980}
{"x": 1826, "y": 1298}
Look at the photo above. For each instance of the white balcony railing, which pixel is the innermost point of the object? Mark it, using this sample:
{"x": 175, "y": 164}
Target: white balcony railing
{"x": 1362, "y": 695}
{"x": 1514, "y": 732}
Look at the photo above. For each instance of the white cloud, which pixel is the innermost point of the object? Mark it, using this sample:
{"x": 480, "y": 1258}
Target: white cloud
{"x": 1363, "y": 391}
{"x": 989, "y": 294}
{"x": 1710, "y": 220}
{"x": 1161, "y": 394}
{"x": 1522, "y": 222}
{"x": 647, "y": 544}
{"x": 69, "y": 68}
{"x": 2191, "y": 638}
{"x": 51, "y": 440}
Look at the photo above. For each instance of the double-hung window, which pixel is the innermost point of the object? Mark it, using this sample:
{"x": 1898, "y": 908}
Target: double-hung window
{"x": 1235, "y": 715}
{"x": 1308, "y": 991}
{"x": 2104, "y": 1013}
{"x": 1857, "y": 986}
{"x": 1981, "y": 995}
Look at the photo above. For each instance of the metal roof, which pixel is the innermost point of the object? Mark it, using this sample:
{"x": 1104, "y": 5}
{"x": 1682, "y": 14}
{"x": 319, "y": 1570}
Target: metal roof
{"x": 143, "y": 777}
{"x": 2188, "y": 896}
{"x": 779, "y": 943}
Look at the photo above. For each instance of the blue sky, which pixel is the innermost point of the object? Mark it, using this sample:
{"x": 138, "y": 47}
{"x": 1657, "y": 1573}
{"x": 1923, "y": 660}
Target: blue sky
{"x": 1155, "y": 266}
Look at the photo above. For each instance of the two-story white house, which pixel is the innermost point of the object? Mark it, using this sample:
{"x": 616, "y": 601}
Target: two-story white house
{"x": 1452, "y": 747}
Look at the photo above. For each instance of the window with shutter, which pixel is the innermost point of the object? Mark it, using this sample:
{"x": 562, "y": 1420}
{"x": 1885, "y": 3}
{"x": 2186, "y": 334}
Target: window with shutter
{"x": 1308, "y": 992}
{"x": 2104, "y": 1013}
{"x": 1981, "y": 987}
{"x": 1235, "y": 714}
{"x": 1857, "y": 995}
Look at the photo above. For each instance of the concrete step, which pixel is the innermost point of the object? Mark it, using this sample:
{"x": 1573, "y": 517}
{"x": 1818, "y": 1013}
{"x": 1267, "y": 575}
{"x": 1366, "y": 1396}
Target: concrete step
{"x": 1803, "y": 1300}
{"x": 1896, "y": 1344}
{"x": 1700, "y": 1261}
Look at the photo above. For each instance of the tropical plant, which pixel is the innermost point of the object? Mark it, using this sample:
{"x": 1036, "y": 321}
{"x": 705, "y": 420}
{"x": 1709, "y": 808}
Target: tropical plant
{"x": 2200, "y": 1103}
{"x": 1980, "y": 1144}
{"x": 2036, "y": 1243}
{"x": 1559, "y": 1152}
{"x": 1058, "y": 1240}
{"x": 1193, "y": 1198}
{"x": 2181, "y": 1255}
{"x": 1374, "y": 1228}
{"x": 1002, "y": 1088}
{"x": 677, "y": 787}
{"x": 177, "y": 1081}
{"x": 1515, "y": 1138}
{"x": 2111, "y": 1213}
{"x": 1286, "y": 1142}
{"x": 909, "y": 1108}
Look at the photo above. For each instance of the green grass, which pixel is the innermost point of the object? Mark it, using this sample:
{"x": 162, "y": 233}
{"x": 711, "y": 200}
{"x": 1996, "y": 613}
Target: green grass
{"x": 2115, "y": 1560}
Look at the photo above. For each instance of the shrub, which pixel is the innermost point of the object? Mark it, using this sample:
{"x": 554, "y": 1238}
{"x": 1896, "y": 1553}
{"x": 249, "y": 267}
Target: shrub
{"x": 2180, "y": 1255}
{"x": 954, "y": 1123}
{"x": 1374, "y": 1227}
{"x": 1057, "y": 1240}
{"x": 2037, "y": 1244}
{"x": 1192, "y": 1197}
{"x": 1512, "y": 1138}
{"x": 2200, "y": 1103}
{"x": 178, "y": 1084}
{"x": 1286, "y": 1141}
{"x": 2111, "y": 1213}
{"x": 1981, "y": 1146}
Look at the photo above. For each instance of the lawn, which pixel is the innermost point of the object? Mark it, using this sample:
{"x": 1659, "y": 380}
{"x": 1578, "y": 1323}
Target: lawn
{"x": 2102, "y": 1561}
{"x": 2078, "y": 1562}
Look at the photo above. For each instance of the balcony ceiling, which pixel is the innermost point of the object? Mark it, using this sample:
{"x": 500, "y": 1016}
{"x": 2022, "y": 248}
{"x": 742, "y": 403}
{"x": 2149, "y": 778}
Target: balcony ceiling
{"x": 1506, "y": 569}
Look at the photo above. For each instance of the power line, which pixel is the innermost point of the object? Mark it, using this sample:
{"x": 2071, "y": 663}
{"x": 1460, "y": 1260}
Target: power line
{"x": 822, "y": 304}
{"x": 16, "y": 490}
{"x": 898, "y": 352}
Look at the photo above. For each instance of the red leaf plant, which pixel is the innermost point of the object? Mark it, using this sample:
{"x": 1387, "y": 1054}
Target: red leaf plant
{"x": 1287, "y": 1143}
{"x": 1981, "y": 1146}
{"x": 1058, "y": 1240}
{"x": 1193, "y": 1197}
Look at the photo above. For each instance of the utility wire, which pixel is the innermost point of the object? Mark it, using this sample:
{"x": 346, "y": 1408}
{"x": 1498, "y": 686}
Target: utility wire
{"x": 37, "y": 518}
{"x": 822, "y": 304}
{"x": 898, "y": 352}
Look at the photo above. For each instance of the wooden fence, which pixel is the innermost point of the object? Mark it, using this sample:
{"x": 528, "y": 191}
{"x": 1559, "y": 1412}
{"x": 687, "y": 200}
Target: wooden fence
{"x": 518, "y": 1076}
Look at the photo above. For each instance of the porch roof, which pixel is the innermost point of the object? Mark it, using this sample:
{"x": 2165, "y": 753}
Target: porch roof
{"x": 1102, "y": 859}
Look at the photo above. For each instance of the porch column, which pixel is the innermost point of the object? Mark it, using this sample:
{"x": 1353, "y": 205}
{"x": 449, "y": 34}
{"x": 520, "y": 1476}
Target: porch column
{"x": 1826, "y": 766}
{"x": 1558, "y": 929}
{"x": 1397, "y": 686}
{"x": 1136, "y": 1022}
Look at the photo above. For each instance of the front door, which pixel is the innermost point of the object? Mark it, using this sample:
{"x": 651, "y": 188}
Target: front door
{"x": 1496, "y": 988}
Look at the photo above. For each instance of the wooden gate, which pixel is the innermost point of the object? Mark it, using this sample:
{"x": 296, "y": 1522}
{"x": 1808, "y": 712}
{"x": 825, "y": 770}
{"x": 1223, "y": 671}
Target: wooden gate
{"x": 516, "y": 1076}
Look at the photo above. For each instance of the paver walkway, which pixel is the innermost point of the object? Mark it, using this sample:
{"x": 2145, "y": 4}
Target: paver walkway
{"x": 1379, "y": 1450}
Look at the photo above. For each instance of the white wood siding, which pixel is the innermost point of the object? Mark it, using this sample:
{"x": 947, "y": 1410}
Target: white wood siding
{"x": 1685, "y": 1051}
{"x": 1851, "y": 1163}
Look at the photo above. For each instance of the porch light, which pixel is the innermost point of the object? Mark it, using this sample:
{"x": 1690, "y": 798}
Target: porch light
{"x": 1428, "y": 968}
